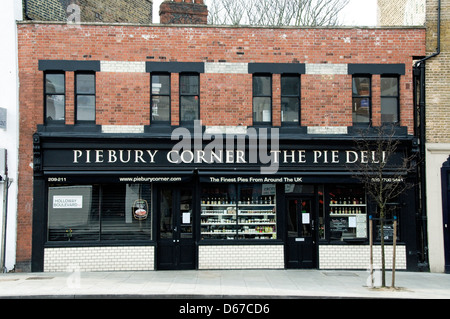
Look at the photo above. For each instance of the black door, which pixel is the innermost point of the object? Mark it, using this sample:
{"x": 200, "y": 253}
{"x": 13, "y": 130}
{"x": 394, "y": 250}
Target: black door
{"x": 446, "y": 214}
{"x": 301, "y": 237}
{"x": 176, "y": 245}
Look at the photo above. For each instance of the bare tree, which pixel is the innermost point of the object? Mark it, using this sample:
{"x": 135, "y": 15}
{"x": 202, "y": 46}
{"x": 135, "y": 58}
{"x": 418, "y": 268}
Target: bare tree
{"x": 384, "y": 174}
{"x": 275, "y": 13}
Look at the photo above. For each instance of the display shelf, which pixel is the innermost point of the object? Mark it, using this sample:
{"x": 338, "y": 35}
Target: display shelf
{"x": 217, "y": 213}
{"x": 256, "y": 212}
{"x": 245, "y": 221}
{"x": 347, "y": 209}
{"x": 257, "y": 223}
{"x": 258, "y": 205}
{"x": 218, "y": 220}
{"x": 345, "y": 215}
{"x": 348, "y": 205}
{"x": 348, "y": 214}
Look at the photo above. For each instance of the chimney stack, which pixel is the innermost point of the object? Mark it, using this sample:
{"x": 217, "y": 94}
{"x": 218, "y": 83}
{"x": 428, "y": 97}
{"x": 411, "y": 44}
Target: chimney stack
{"x": 183, "y": 12}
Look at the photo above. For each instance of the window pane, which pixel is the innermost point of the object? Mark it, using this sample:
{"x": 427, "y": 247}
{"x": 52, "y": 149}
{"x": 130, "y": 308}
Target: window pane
{"x": 289, "y": 109}
{"x": 262, "y": 109}
{"x": 244, "y": 211}
{"x": 218, "y": 215}
{"x": 262, "y": 86}
{"x": 389, "y": 86}
{"x": 256, "y": 211}
{"x": 73, "y": 213}
{"x": 55, "y": 105}
{"x": 85, "y": 108}
{"x": 189, "y": 108}
{"x": 85, "y": 84}
{"x": 348, "y": 212}
{"x": 290, "y": 85}
{"x": 166, "y": 222}
{"x": 389, "y": 110}
{"x": 292, "y": 225}
{"x": 125, "y": 212}
{"x": 189, "y": 84}
{"x": 161, "y": 84}
{"x": 54, "y": 83}
{"x": 161, "y": 108}
{"x": 186, "y": 209}
{"x": 388, "y": 227}
{"x": 361, "y": 86}
{"x": 361, "y": 108}
{"x": 307, "y": 228}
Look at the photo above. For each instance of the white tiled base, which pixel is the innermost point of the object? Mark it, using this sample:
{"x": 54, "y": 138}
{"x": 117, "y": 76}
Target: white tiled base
{"x": 99, "y": 258}
{"x": 135, "y": 258}
{"x": 241, "y": 257}
{"x": 358, "y": 257}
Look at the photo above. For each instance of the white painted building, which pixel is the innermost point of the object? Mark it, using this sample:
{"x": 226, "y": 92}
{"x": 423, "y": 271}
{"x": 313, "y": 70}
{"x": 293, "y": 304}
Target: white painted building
{"x": 9, "y": 119}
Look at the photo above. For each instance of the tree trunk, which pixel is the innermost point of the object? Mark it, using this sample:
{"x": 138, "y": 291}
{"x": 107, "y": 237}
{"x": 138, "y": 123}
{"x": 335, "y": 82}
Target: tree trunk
{"x": 383, "y": 266}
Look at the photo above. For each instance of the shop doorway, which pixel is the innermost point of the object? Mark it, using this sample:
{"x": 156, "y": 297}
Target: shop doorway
{"x": 301, "y": 237}
{"x": 175, "y": 236}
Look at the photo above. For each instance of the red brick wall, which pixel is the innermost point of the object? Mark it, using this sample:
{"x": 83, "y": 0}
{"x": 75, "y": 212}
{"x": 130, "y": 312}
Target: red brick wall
{"x": 123, "y": 98}
{"x": 323, "y": 97}
{"x": 226, "y": 99}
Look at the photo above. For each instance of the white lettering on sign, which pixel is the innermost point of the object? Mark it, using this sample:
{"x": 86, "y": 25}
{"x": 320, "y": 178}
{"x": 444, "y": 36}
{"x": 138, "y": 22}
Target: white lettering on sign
{"x": 254, "y": 147}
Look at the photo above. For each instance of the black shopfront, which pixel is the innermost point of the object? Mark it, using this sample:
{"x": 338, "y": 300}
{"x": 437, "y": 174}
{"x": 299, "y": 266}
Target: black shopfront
{"x": 93, "y": 189}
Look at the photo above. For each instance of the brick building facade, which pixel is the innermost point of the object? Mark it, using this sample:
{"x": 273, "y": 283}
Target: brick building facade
{"x": 148, "y": 81}
{"x": 434, "y": 106}
{"x": 112, "y": 11}
{"x": 437, "y": 125}
{"x": 401, "y": 12}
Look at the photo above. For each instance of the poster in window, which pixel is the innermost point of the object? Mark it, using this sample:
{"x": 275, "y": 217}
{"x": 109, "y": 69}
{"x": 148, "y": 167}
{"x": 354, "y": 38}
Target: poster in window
{"x": 140, "y": 209}
{"x": 67, "y": 202}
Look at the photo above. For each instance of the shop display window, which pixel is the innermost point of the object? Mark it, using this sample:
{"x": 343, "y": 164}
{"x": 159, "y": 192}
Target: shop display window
{"x": 348, "y": 213}
{"x": 99, "y": 212}
{"x": 238, "y": 211}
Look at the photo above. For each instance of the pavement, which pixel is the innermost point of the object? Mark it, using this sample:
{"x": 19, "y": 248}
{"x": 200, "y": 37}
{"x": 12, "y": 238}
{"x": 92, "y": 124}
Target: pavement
{"x": 223, "y": 284}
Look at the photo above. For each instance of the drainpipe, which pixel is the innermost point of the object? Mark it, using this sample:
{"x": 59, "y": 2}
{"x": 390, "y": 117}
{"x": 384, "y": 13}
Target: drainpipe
{"x": 5, "y": 181}
{"x": 419, "y": 67}
{"x": 6, "y": 184}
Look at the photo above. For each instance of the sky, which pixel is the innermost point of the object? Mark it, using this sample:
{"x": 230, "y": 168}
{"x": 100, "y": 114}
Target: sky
{"x": 357, "y": 12}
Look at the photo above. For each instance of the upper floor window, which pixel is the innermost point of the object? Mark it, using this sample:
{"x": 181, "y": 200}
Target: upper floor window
{"x": 290, "y": 99}
{"x": 361, "y": 101}
{"x": 189, "y": 97}
{"x": 85, "y": 97}
{"x": 389, "y": 99}
{"x": 160, "y": 101}
{"x": 55, "y": 97}
{"x": 262, "y": 99}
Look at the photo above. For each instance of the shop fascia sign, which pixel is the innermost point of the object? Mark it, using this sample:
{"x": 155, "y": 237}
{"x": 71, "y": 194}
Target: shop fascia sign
{"x": 258, "y": 147}
{"x": 218, "y": 156}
